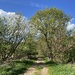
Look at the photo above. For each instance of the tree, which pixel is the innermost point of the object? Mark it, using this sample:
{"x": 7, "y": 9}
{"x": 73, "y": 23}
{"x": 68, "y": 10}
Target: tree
{"x": 13, "y": 30}
{"x": 52, "y": 24}
{"x": 28, "y": 47}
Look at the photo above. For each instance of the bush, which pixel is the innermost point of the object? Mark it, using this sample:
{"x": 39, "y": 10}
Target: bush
{"x": 15, "y": 67}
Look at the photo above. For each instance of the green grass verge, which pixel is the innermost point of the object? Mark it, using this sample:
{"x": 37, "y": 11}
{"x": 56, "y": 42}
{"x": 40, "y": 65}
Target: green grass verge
{"x": 15, "y": 68}
{"x": 61, "y": 69}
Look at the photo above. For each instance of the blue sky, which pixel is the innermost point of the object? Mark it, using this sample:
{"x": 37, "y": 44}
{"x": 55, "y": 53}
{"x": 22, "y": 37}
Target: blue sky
{"x": 29, "y": 7}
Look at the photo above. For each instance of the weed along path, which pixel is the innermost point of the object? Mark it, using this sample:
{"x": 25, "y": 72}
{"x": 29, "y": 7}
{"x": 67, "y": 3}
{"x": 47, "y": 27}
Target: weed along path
{"x": 38, "y": 68}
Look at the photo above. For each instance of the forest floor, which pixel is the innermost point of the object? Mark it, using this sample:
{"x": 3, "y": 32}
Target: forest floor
{"x": 38, "y": 68}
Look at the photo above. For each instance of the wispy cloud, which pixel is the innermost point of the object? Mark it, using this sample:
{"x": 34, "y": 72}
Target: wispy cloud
{"x": 30, "y": 4}
{"x": 38, "y": 5}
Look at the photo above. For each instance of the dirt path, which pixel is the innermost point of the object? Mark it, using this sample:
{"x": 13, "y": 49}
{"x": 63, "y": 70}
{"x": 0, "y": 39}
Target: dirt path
{"x": 30, "y": 71}
{"x": 39, "y": 68}
{"x": 44, "y": 71}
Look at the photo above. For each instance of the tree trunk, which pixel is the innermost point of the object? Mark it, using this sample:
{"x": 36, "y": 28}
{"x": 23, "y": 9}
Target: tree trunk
{"x": 49, "y": 47}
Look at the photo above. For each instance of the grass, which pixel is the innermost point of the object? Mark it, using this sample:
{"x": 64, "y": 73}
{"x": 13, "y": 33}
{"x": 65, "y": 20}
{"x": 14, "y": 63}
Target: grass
{"x": 39, "y": 67}
{"x": 37, "y": 72}
{"x": 61, "y": 69}
{"x": 15, "y": 68}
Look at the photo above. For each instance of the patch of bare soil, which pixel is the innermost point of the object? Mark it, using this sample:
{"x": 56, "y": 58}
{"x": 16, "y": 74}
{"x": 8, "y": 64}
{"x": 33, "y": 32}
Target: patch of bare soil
{"x": 44, "y": 71}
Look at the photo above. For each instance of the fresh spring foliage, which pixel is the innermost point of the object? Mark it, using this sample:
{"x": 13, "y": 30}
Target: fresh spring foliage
{"x": 44, "y": 34}
{"x": 55, "y": 41}
{"x": 13, "y": 29}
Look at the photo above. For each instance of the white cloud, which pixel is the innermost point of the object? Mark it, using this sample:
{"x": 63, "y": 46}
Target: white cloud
{"x": 6, "y": 13}
{"x": 71, "y": 26}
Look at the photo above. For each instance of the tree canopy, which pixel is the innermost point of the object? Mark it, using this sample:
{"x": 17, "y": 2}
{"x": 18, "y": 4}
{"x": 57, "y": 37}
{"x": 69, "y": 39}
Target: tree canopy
{"x": 44, "y": 34}
{"x": 52, "y": 24}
